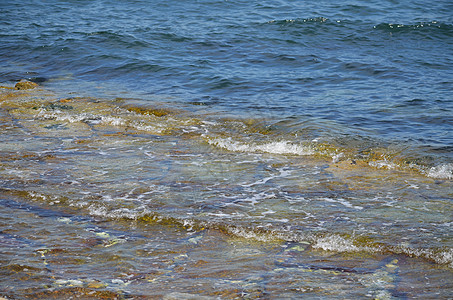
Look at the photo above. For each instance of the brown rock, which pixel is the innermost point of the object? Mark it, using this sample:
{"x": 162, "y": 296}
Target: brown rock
{"x": 25, "y": 85}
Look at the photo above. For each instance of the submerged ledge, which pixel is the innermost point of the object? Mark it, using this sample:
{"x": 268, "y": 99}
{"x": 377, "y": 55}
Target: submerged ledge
{"x": 237, "y": 135}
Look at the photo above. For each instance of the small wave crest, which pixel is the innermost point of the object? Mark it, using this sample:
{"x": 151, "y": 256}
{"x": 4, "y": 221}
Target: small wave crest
{"x": 339, "y": 243}
{"x": 331, "y": 242}
{"x": 375, "y": 158}
{"x": 276, "y": 233}
{"x": 236, "y": 135}
{"x": 297, "y": 21}
{"x": 418, "y": 28}
{"x": 275, "y": 147}
{"x": 444, "y": 171}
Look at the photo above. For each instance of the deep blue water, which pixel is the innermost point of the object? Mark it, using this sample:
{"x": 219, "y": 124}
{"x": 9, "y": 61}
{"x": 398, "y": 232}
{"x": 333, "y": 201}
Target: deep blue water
{"x": 379, "y": 70}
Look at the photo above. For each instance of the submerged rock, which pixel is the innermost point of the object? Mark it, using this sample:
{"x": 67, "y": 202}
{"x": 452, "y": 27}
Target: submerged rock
{"x": 185, "y": 296}
{"x": 25, "y": 85}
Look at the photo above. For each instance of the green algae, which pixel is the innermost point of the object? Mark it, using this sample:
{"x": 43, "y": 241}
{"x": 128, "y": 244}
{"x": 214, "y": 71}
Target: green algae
{"x": 149, "y": 111}
{"x": 25, "y": 85}
{"x": 54, "y": 106}
{"x": 70, "y": 292}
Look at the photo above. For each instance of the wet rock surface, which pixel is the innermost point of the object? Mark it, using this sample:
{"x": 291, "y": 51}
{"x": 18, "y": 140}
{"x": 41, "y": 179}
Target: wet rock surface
{"x": 26, "y": 85}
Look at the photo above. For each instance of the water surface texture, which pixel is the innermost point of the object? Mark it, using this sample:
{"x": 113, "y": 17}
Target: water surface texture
{"x": 226, "y": 149}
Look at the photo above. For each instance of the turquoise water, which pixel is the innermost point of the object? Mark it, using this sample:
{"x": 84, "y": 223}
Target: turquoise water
{"x": 226, "y": 149}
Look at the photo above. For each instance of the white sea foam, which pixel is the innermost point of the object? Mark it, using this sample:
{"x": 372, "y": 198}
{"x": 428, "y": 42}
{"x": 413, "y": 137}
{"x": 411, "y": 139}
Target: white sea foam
{"x": 383, "y": 164}
{"x": 343, "y": 202}
{"x": 248, "y": 234}
{"x": 441, "y": 171}
{"x": 71, "y": 118}
{"x": 444, "y": 256}
{"x": 280, "y": 147}
{"x": 261, "y": 181}
{"x": 119, "y": 213}
{"x": 256, "y": 198}
{"x": 336, "y": 158}
{"x": 335, "y": 243}
{"x": 70, "y": 282}
{"x": 283, "y": 173}
{"x": 95, "y": 119}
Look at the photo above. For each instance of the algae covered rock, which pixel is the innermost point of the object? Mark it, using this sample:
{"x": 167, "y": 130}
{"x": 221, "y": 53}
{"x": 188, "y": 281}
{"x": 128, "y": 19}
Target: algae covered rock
{"x": 25, "y": 85}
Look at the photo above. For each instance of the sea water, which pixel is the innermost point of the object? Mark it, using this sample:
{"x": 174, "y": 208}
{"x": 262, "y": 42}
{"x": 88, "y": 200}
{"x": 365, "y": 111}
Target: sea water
{"x": 226, "y": 149}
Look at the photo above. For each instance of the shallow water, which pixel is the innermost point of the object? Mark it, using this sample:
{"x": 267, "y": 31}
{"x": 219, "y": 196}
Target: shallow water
{"x": 226, "y": 149}
{"x": 101, "y": 197}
